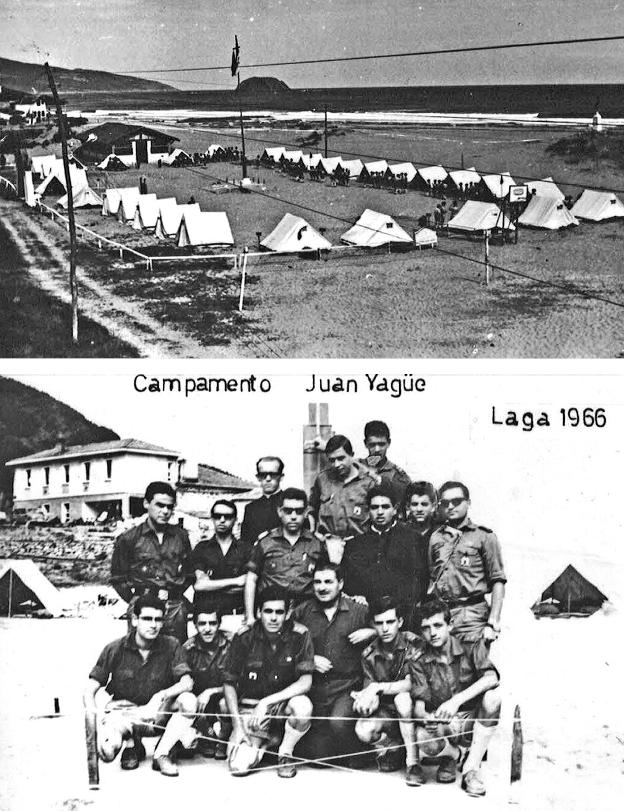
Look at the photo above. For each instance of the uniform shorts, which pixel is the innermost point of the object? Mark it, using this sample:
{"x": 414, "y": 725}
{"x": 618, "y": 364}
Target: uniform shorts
{"x": 120, "y": 716}
{"x": 470, "y": 620}
{"x": 271, "y": 726}
{"x": 459, "y": 730}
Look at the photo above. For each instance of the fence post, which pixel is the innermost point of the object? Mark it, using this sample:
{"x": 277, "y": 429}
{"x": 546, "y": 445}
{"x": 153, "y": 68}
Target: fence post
{"x": 243, "y": 277}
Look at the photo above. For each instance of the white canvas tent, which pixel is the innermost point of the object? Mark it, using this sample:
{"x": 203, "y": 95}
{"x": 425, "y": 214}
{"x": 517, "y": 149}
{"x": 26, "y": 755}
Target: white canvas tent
{"x": 477, "y": 217}
{"x": 292, "y": 235}
{"x": 354, "y": 166}
{"x": 112, "y": 162}
{"x": 430, "y": 173}
{"x": 374, "y": 229}
{"x": 177, "y": 158}
{"x": 148, "y": 210}
{"x": 426, "y": 238}
{"x": 402, "y": 169}
{"x": 128, "y": 203}
{"x": 545, "y": 188}
{"x": 170, "y": 217}
{"x": 498, "y": 185}
{"x": 213, "y": 149}
{"x": 43, "y": 165}
{"x": 375, "y": 167}
{"x": 56, "y": 180}
{"x": 547, "y": 212}
{"x": 24, "y": 588}
{"x": 311, "y": 161}
{"x": 465, "y": 176}
{"x": 292, "y": 156}
{"x": 598, "y": 206}
{"x": 30, "y": 198}
{"x": 273, "y": 153}
{"x": 329, "y": 165}
{"x": 204, "y": 228}
{"x": 83, "y": 197}
{"x": 112, "y": 200}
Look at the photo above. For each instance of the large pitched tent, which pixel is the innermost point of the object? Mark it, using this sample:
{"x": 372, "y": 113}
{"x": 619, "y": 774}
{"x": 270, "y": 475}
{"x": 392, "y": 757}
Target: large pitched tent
{"x": 427, "y": 175}
{"x": 569, "y": 594}
{"x": 374, "y": 229}
{"x": 547, "y": 212}
{"x": 311, "y": 160}
{"x": 204, "y": 228}
{"x": 497, "y": 186}
{"x": 464, "y": 178}
{"x": 170, "y": 217}
{"x": 54, "y": 183}
{"x": 598, "y": 206}
{"x": 401, "y": 169}
{"x": 148, "y": 210}
{"x": 112, "y": 200}
{"x": 292, "y": 156}
{"x": 477, "y": 217}
{"x": 293, "y": 235}
{"x": 374, "y": 168}
{"x": 84, "y": 197}
{"x": 273, "y": 154}
{"x": 354, "y": 167}
{"x": 329, "y": 165}
{"x": 545, "y": 188}
{"x": 24, "y": 589}
{"x": 128, "y": 203}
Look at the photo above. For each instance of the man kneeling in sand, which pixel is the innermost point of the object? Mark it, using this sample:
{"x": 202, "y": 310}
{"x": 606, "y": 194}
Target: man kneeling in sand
{"x": 148, "y": 676}
{"x": 456, "y": 698}
{"x": 267, "y": 673}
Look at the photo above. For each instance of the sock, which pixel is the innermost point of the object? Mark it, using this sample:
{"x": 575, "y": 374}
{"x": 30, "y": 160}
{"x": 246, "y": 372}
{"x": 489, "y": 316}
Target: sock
{"x": 291, "y": 738}
{"x": 409, "y": 739}
{"x": 481, "y": 737}
{"x": 179, "y": 728}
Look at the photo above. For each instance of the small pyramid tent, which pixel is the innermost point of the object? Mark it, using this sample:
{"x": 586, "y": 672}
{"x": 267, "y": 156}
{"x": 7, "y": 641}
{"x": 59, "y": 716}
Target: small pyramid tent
{"x": 354, "y": 167}
{"x": 112, "y": 163}
{"x": 426, "y": 175}
{"x": 464, "y": 177}
{"x": 477, "y": 217}
{"x": 204, "y": 228}
{"x": 545, "y": 188}
{"x": 24, "y": 588}
{"x": 178, "y": 158}
{"x": 292, "y": 235}
{"x": 148, "y": 210}
{"x": 84, "y": 197}
{"x": 598, "y": 206}
{"x": 170, "y": 217}
{"x": 329, "y": 165}
{"x": 401, "y": 169}
{"x": 374, "y": 229}
{"x": 547, "y": 212}
{"x": 374, "y": 168}
{"x": 112, "y": 200}
{"x": 497, "y": 186}
{"x": 128, "y": 203}
{"x": 569, "y": 593}
{"x": 273, "y": 154}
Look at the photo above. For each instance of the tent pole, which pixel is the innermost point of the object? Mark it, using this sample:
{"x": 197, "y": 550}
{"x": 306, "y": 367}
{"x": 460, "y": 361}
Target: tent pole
{"x": 325, "y": 130}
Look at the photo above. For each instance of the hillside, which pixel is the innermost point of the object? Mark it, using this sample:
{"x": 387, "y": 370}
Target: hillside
{"x": 31, "y": 421}
{"x": 24, "y": 76}
{"x": 263, "y": 84}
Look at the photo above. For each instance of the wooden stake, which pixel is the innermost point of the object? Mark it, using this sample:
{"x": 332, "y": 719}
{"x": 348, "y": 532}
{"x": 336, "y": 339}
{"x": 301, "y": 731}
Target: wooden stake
{"x": 516, "y": 747}
{"x": 93, "y": 766}
{"x": 73, "y": 285}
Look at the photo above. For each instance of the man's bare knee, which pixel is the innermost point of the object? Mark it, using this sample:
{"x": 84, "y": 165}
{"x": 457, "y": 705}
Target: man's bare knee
{"x": 403, "y": 704}
{"x": 490, "y": 707}
{"x": 299, "y": 710}
{"x": 186, "y": 703}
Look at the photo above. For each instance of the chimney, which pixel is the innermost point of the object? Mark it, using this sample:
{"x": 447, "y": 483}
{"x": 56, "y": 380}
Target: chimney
{"x": 315, "y": 436}
{"x": 61, "y": 444}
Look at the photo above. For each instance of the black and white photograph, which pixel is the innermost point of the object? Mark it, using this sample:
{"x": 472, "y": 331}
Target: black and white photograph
{"x": 395, "y": 586}
{"x": 311, "y": 178}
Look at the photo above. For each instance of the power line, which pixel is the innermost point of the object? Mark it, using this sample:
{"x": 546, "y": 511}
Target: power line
{"x": 400, "y": 55}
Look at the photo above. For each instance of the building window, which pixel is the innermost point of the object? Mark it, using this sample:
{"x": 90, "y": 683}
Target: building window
{"x": 66, "y": 469}
{"x": 46, "y": 476}
{"x": 180, "y": 466}
{"x": 87, "y": 471}
{"x": 65, "y": 512}
{"x": 169, "y": 470}
{"x": 109, "y": 469}
{"x": 45, "y": 508}
{"x": 28, "y": 476}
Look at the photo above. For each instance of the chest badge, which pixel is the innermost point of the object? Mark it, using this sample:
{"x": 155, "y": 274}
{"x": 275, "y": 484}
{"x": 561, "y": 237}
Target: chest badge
{"x": 465, "y": 561}
{"x": 252, "y": 676}
{"x": 357, "y": 510}
{"x": 289, "y": 658}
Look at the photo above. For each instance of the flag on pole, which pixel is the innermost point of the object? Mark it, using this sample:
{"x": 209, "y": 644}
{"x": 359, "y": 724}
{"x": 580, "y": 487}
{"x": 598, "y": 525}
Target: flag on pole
{"x": 235, "y": 56}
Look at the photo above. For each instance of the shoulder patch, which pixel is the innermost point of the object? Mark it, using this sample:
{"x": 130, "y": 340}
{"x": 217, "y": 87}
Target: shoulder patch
{"x": 262, "y": 535}
{"x": 485, "y": 529}
{"x": 298, "y": 628}
{"x": 368, "y": 649}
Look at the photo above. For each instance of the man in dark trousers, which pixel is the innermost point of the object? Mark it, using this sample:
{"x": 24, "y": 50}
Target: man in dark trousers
{"x": 261, "y": 514}
{"x": 339, "y": 628}
{"x": 154, "y": 558}
{"x": 387, "y": 558}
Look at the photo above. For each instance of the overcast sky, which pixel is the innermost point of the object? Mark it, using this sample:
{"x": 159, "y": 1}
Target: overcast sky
{"x": 119, "y": 35}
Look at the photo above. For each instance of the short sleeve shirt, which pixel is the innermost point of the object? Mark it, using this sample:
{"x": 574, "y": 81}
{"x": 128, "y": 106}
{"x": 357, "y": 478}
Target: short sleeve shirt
{"x": 277, "y": 562}
{"x": 206, "y": 661}
{"x": 382, "y": 664}
{"x": 436, "y": 678}
{"x": 258, "y": 666}
{"x": 208, "y": 557}
{"x": 395, "y": 476}
{"x": 340, "y": 507}
{"x": 465, "y": 561}
{"x": 123, "y": 671}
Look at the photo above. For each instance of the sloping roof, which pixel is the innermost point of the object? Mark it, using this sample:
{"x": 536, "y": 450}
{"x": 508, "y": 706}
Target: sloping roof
{"x": 205, "y": 228}
{"x": 477, "y": 216}
{"x": 426, "y": 236}
{"x": 213, "y": 148}
{"x": 547, "y": 212}
{"x": 148, "y": 210}
{"x": 465, "y": 176}
{"x": 112, "y": 200}
{"x": 92, "y": 449}
{"x": 209, "y": 476}
{"x": 170, "y": 218}
{"x": 499, "y": 185}
{"x": 50, "y": 186}
{"x": 572, "y": 590}
{"x": 431, "y": 173}
{"x": 294, "y": 155}
{"x": 374, "y": 229}
{"x": 597, "y": 206}
{"x": 22, "y": 581}
{"x": 116, "y": 132}
{"x": 545, "y": 188}
{"x": 403, "y": 169}
{"x": 82, "y": 197}
{"x": 293, "y": 234}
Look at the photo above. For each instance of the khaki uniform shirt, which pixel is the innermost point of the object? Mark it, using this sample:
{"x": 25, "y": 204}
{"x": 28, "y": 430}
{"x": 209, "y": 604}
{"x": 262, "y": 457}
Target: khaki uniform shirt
{"x": 206, "y": 661}
{"x": 379, "y": 664}
{"x": 277, "y": 562}
{"x": 340, "y": 507}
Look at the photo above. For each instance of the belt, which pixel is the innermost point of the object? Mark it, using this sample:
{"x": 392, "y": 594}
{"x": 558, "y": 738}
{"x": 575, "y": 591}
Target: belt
{"x": 474, "y": 599}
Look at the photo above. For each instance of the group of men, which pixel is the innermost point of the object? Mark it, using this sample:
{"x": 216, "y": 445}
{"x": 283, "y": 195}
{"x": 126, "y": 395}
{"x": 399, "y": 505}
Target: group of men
{"x": 357, "y": 621}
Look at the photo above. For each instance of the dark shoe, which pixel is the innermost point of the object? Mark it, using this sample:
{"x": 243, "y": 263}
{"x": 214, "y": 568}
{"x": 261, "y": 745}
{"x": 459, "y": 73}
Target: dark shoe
{"x": 182, "y": 753}
{"x": 220, "y": 752}
{"x": 165, "y": 765}
{"x": 206, "y": 748}
{"x": 131, "y": 757}
{"x": 447, "y": 770}
{"x": 389, "y": 761}
{"x": 472, "y": 784}
{"x": 415, "y": 775}
{"x": 286, "y": 766}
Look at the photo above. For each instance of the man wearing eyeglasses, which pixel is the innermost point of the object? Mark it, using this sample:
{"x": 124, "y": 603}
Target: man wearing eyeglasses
{"x": 466, "y": 566}
{"x": 261, "y": 514}
{"x": 284, "y": 557}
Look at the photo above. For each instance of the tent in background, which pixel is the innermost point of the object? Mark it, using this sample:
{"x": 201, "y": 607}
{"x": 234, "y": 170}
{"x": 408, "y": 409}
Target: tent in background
{"x": 170, "y": 217}
{"x": 42, "y": 165}
{"x": 545, "y": 188}
{"x": 273, "y": 154}
{"x": 598, "y": 206}
{"x": 25, "y": 589}
{"x": 477, "y": 217}
{"x": 425, "y": 238}
{"x": 497, "y": 186}
{"x": 112, "y": 200}
{"x": 354, "y": 166}
{"x": 373, "y": 168}
{"x": 294, "y": 235}
{"x": 148, "y": 210}
{"x": 329, "y": 165}
{"x": 30, "y": 198}
{"x": 569, "y": 593}
{"x": 128, "y": 202}
{"x": 112, "y": 163}
{"x": 311, "y": 160}
{"x": 177, "y": 158}
{"x": 214, "y": 149}
{"x": 426, "y": 175}
{"x": 547, "y": 212}
{"x": 54, "y": 183}
{"x": 83, "y": 197}
{"x": 461, "y": 179}
{"x": 374, "y": 229}
{"x": 401, "y": 169}
{"x": 204, "y": 228}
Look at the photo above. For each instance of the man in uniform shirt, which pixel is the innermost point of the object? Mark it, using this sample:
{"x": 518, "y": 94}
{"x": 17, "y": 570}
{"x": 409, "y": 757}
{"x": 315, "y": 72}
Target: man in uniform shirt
{"x": 154, "y": 558}
{"x": 267, "y": 673}
{"x": 386, "y": 559}
{"x": 338, "y": 498}
{"x": 456, "y": 698}
{"x": 149, "y": 679}
{"x": 338, "y": 627}
{"x": 261, "y": 514}
{"x": 377, "y": 441}
{"x": 384, "y": 703}
{"x": 421, "y": 505}
{"x": 284, "y": 557}
{"x": 466, "y": 565}
{"x": 220, "y": 564}
{"x": 205, "y": 653}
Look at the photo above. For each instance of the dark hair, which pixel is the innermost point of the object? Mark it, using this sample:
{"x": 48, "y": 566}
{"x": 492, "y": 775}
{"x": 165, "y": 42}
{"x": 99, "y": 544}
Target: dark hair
{"x": 453, "y": 486}
{"x": 292, "y": 494}
{"x": 383, "y": 489}
{"x": 434, "y": 606}
{"x": 420, "y": 489}
{"x": 148, "y": 601}
{"x": 337, "y": 441}
{"x": 154, "y": 488}
{"x": 382, "y": 604}
{"x": 271, "y": 459}
{"x": 272, "y": 594}
{"x": 376, "y": 428}
{"x": 226, "y": 503}
{"x": 325, "y": 565}
{"x": 207, "y": 610}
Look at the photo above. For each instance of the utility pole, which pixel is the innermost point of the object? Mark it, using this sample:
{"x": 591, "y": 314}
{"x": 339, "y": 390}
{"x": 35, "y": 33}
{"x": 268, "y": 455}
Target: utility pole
{"x": 325, "y": 130}
{"x": 488, "y": 272}
{"x": 236, "y": 72}
{"x": 73, "y": 284}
